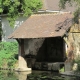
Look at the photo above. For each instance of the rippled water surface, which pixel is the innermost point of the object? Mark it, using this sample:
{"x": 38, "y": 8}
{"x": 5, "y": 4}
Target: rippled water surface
{"x": 34, "y": 75}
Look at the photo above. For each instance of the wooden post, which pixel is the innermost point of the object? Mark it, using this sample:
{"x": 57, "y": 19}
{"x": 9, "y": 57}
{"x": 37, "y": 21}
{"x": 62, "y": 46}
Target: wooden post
{"x": 22, "y": 61}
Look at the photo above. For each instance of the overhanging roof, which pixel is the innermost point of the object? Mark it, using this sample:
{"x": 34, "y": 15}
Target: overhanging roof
{"x": 44, "y": 25}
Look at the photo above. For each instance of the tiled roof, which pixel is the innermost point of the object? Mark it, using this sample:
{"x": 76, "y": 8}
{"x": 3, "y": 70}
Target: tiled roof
{"x": 44, "y": 25}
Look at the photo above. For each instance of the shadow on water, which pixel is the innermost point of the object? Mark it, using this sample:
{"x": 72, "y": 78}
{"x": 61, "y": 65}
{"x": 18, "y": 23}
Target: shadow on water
{"x": 34, "y": 75}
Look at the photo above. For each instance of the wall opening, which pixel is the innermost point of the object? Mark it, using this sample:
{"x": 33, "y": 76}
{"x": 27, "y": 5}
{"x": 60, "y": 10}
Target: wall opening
{"x": 42, "y": 52}
{"x": 52, "y": 50}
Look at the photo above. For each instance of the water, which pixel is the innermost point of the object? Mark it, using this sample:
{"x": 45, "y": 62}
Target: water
{"x": 34, "y": 75}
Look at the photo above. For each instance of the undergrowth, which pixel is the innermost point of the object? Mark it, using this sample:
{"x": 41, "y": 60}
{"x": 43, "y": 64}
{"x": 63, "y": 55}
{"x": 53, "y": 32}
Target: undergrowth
{"x": 8, "y": 52}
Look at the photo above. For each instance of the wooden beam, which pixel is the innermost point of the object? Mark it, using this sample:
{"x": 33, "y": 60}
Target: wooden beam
{"x": 22, "y": 48}
{"x": 18, "y": 40}
{"x": 21, "y": 45}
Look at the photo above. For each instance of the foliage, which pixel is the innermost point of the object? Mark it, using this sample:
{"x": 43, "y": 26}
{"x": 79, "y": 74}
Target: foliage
{"x": 63, "y": 3}
{"x": 62, "y": 69}
{"x": 76, "y": 15}
{"x": 8, "y": 50}
{"x": 13, "y": 7}
{"x": 78, "y": 62}
{"x": 8, "y": 75}
{"x": 77, "y": 11}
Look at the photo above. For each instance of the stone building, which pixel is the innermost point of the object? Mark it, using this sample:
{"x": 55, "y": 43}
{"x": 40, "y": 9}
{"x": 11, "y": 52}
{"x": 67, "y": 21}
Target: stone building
{"x": 41, "y": 35}
{"x": 48, "y": 36}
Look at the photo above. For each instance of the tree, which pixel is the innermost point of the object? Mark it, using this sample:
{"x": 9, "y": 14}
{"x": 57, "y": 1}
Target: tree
{"x": 13, "y": 8}
{"x": 77, "y": 12}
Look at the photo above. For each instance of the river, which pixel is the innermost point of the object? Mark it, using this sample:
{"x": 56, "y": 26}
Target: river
{"x": 34, "y": 75}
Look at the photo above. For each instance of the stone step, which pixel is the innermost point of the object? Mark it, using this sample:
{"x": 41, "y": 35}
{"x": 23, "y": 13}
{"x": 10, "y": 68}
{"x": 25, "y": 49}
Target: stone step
{"x": 48, "y": 66}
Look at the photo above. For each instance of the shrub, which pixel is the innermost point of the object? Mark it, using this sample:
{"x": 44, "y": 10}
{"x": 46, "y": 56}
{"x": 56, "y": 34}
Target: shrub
{"x": 77, "y": 61}
{"x": 8, "y": 50}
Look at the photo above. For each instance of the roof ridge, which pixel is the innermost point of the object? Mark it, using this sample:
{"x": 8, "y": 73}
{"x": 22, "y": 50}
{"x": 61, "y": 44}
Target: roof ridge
{"x": 59, "y": 13}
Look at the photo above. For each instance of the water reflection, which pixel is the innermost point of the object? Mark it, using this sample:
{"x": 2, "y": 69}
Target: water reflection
{"x": 34, "y": 75}
{"x": 22, "y": 75}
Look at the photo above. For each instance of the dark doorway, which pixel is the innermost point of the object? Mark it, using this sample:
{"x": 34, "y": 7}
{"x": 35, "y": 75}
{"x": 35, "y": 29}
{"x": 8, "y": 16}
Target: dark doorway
{"x": 54, "y": 49}
{"x": 51, "y": 50}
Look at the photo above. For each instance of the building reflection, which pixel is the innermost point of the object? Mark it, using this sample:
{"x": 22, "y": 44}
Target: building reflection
{"x": 22, "y": 75}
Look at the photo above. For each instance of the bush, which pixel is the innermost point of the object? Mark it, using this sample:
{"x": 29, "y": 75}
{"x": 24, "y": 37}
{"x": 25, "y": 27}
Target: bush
{"x": 77, "y": 61}
{"x": 8, "y": 50}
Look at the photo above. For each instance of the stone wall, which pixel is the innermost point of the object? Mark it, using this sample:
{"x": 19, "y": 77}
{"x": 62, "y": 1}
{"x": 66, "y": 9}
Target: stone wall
{"x": 31, "y": 46}
{"x": 75, "y": 31}
{"x": 7, "y": 29}
{"x": 73, "y": 42}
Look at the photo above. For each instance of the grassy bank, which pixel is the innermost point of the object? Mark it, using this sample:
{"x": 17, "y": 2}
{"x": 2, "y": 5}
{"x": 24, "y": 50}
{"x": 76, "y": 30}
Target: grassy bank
{"x": 8, "y": 54}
